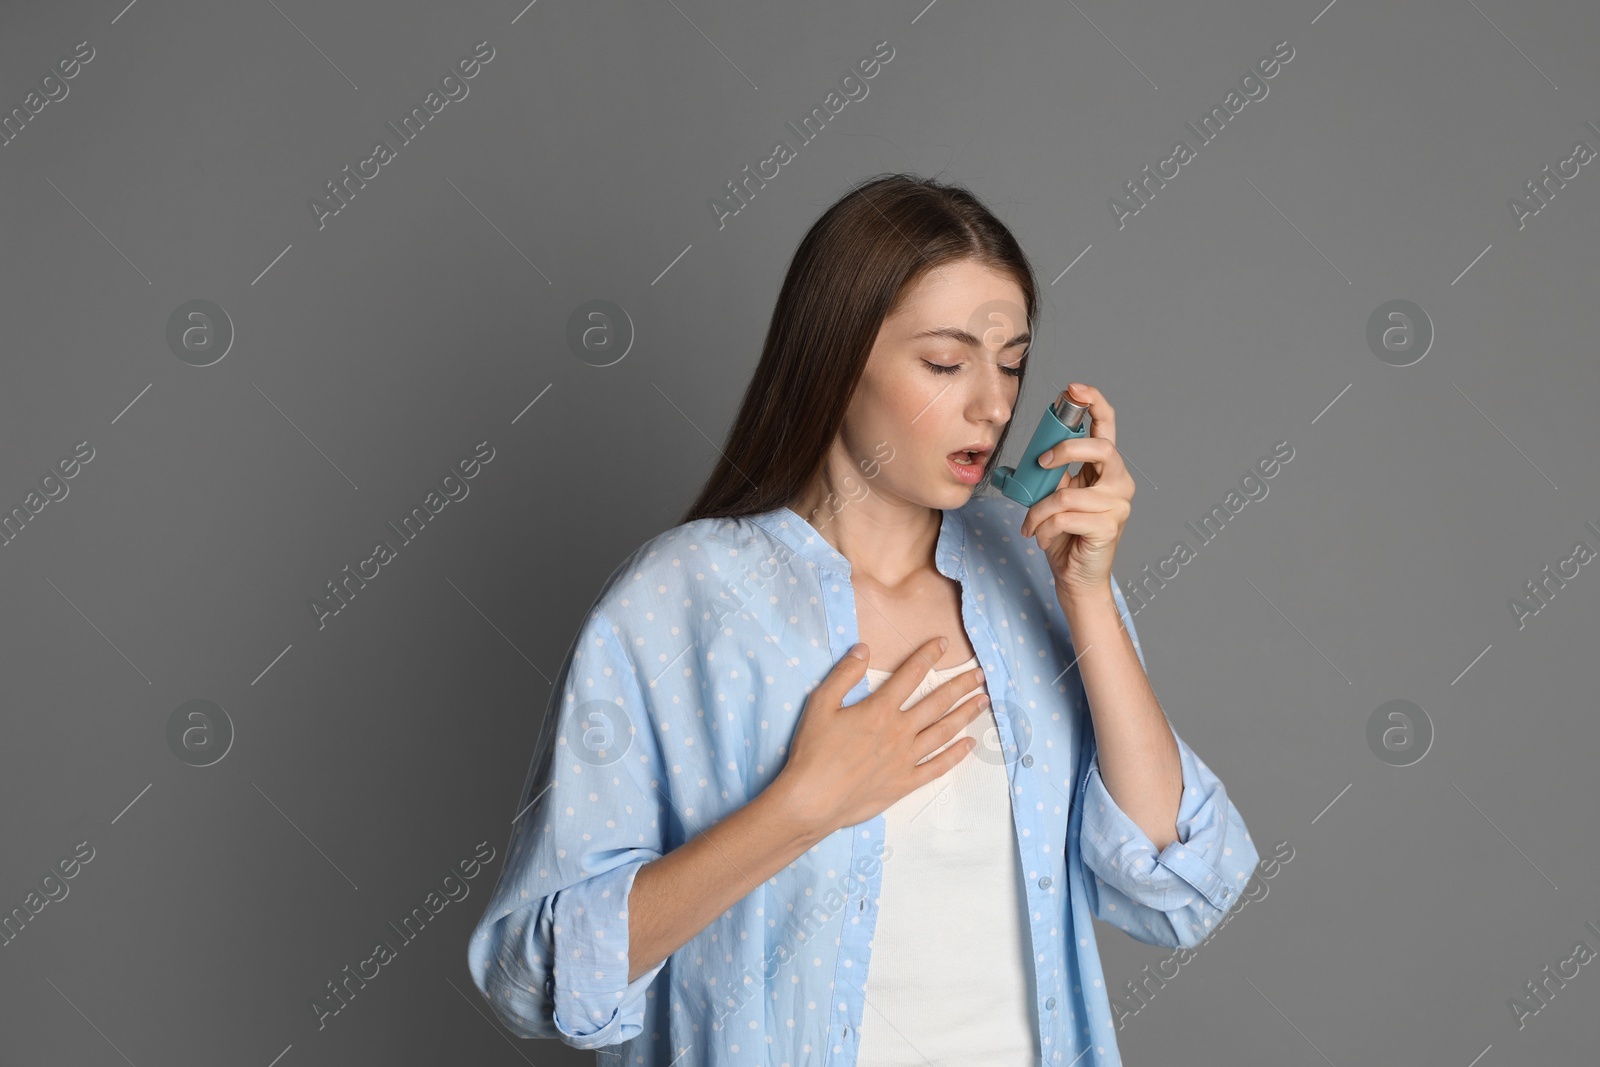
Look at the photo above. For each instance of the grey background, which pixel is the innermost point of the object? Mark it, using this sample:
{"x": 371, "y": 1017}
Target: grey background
{"x": 369, "y": 757}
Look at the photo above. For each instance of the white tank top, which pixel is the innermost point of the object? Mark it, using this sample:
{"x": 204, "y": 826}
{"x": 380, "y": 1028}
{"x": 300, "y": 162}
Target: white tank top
{"x": 950, "y": 979}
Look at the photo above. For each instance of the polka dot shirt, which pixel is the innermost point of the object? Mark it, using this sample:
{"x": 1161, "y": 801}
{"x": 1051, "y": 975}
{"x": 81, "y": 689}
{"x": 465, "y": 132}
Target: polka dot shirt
{"x": 675, "y": 707}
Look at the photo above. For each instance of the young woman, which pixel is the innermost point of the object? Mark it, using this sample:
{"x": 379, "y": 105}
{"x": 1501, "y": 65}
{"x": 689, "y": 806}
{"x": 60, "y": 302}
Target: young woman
{"x": 839, "y": 769}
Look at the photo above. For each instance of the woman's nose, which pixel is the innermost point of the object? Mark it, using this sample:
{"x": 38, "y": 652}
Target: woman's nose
{"x": 993, "y": 401}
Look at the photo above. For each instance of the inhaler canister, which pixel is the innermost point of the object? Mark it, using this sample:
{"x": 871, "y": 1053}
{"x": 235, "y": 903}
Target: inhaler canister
{"x": 1069, "y": 411}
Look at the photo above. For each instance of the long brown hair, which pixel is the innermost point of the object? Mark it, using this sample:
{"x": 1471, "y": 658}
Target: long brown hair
{"x": 851, "y": 270}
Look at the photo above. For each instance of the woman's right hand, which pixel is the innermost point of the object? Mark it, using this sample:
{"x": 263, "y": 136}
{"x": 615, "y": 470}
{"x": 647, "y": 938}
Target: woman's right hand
{"x": 848, "y": 764}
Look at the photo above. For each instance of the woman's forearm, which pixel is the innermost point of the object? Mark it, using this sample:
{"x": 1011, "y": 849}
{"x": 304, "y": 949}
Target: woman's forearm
{"x": 1138, "y": 756}
{"x": 677, "y": 896}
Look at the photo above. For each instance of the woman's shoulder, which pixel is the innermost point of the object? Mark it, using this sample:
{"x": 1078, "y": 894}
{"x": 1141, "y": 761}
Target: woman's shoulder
{"x": 996, "y": 549}
{"x": 673, "y": 571}
{"x": 994, "y": 531}
{"x": 1000, "y": 512}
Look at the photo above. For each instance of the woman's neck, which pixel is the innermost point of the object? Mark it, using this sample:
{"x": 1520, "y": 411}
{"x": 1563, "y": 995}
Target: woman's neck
{"x": 887, "y": 544}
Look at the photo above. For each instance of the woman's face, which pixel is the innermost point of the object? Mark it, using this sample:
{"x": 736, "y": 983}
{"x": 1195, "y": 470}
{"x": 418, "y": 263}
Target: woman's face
{"x": 943, "y": 376}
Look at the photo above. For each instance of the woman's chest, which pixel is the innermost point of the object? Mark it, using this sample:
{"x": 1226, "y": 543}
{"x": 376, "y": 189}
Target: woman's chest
{"x": 895, "y": 626}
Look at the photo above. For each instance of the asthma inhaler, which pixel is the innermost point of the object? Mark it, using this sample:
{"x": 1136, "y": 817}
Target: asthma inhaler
{"x": 1028, "y": 483}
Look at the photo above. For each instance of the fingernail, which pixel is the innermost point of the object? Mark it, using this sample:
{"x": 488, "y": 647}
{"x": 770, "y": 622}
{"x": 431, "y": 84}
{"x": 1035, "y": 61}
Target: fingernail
{"x": 944, "y": 643}
{"x": 858, "y": 650}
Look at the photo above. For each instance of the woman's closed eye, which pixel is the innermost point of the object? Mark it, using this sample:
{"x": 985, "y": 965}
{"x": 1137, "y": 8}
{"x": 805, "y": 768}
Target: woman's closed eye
{"x": 1015, "y": 369}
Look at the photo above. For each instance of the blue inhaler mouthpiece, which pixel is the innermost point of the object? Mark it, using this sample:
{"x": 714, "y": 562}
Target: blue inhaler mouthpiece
{"x": 1028, "y": 483}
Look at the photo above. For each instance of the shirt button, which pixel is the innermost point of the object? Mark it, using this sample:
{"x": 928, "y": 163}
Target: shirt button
{"x": 1051, "y": 1003}
{"x": 1044, "y": 883}
{"x": 1027, "y": 761}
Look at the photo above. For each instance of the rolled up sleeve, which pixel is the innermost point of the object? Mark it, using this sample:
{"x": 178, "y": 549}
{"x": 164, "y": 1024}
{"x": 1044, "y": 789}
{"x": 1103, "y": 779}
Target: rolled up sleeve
{"x": 594, "y": 1003}
{"x": 1174, "y": 897}
{"x": 550, "y": 953}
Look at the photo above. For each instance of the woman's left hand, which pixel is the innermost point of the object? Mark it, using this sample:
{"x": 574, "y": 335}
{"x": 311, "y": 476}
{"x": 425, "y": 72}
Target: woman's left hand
{"x": 1078, "y": 526}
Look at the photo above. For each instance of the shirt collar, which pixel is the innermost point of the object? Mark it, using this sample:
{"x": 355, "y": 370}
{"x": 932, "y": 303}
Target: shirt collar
{"x": 785, "y": 524}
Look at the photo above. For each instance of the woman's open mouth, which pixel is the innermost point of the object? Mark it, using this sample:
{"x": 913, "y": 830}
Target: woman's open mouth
{"x": 968, "y": 466}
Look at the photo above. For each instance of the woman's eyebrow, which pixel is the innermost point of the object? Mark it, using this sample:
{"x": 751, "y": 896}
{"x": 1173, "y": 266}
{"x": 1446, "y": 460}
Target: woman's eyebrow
{"x": 956, "y": 333}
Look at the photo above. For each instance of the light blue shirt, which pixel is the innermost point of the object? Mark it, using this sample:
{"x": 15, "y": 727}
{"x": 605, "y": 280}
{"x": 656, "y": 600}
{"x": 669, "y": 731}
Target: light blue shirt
{"x": 675, "y": 707}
